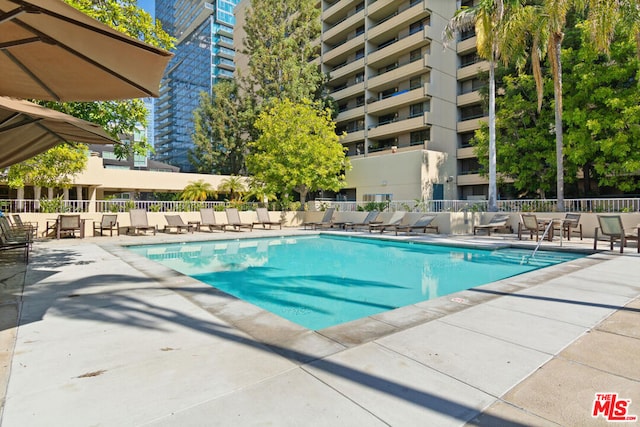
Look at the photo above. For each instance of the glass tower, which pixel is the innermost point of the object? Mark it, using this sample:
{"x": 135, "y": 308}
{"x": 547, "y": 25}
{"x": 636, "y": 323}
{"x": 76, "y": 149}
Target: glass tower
{"x": 204, "y": 54}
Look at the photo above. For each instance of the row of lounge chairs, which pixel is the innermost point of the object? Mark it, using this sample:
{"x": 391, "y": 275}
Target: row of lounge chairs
{"x": 400, "y": 222}
{"x": 14, "y": 237}
{"x": 139, "y": 221}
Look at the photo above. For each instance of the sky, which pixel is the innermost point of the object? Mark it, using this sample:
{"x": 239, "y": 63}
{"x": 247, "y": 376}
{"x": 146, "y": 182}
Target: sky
{"x": 148, "y": 5}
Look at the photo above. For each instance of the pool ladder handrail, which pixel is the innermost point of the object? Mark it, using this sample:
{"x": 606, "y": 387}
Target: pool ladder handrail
{"x": 546, "y": 231}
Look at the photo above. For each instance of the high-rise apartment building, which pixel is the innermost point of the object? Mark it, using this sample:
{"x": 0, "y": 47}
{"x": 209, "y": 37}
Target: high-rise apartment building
{"x": 408, "y": 105}
{"x": 203, "y": 55}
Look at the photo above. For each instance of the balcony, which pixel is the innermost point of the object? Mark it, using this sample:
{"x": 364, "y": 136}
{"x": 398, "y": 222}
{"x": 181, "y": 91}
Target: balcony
{"x": 343, "y": 50}
{"x": 382, "y": 8}
{"x": 470, "y": 125}
{"x": 343, "y": 28}
{"x": 353, "y": 137}
{"x": 397, "y": 101}
{"x": 466, "y": 153}
{"x": 348, "y": 92}
{"x": 351, "y": 114}
{"x": 398, "y": 127}
{"x": 397, "y": 22}
{"x": 346, "y": 69}
{"x": 466, "y": 46}
{"x": 404, "y": 72}
{"x": 472, "y": 70}
{"x": 469, "y": 98}
{"x": 398, "y": 48}
{"x": 338, "y": 10}
{"x": 471, "y": 179}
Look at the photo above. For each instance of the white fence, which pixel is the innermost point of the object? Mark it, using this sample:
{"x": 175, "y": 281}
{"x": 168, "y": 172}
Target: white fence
{"x": 531, "y": 205}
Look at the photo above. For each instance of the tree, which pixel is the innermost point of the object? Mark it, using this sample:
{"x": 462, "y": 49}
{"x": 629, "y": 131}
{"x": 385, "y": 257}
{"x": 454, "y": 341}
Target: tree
{"x": 486, "y": 17}
{"x": 197, "y": 191}
{"x": 55, "y": 167}
{"x": 542, "y": 25}
{"x": 298, "y": 150}
{"x": 118, "y": 117}
{"x": 218, "y": 129}
{"x": 279, "y": 42}
{"x": 233, "y": 185}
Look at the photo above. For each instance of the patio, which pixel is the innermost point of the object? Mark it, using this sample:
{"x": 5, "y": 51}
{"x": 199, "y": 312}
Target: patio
{"x": 106, "y": 337}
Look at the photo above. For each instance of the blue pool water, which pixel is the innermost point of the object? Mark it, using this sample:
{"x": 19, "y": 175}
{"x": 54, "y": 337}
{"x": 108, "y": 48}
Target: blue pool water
{"x": 321, "y": 281}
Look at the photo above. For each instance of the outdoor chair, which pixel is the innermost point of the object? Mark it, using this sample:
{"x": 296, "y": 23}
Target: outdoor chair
{"x": 109, "y": 222}
{"x": 497, "y": 222}
{"x": 69, "y": 225}
{"x": 571, "y": 224}
{"x": 208, "y": 219}
{"x": 422, "y": 223}
{"x": 139, "y": 221}
{"x": 371, "y": 218}
{"x": 9, "y": 242}
{"x": 16, "y": 232}
{"x": 264, "y": 220}
{"x": 396, "y": 219}
{"x": 233, "y": 220}
{"x": 175, "y": 221}
{"x": 17, "y": 221}
{"x": 530, "y": 223}
{"x": 611, "y": 227}
{"x": 326, "y": 219}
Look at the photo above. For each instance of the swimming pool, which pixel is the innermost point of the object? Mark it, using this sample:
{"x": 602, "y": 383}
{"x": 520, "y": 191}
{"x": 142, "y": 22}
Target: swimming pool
{"x": 325, "y": 280}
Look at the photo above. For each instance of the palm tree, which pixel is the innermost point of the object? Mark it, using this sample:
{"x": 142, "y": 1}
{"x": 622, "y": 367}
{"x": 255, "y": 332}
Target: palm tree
{"x": 234, "y": 185}
{"x": 486, "y": 18}
{"x": 197, "y": 191}
{"x": 542, "y": 25}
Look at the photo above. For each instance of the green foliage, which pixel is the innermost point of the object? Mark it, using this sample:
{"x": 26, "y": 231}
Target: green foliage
{"x": 298, "y": 150}
{"x": 279, "y": 42}
{"x": 218, "y": 129}
{"x": 155, "y": 208}
{"x": 55, "y": 205}
{"x": 234, "y": 185}
{"x": 197, "y": 191}
{"x": 53, "y": 168}
{"x": 376, "y": 206}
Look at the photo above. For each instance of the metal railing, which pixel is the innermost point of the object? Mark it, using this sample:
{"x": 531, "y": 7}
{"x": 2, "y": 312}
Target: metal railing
{"x": 603, "y": 205}
{"x": 600, "y": 205}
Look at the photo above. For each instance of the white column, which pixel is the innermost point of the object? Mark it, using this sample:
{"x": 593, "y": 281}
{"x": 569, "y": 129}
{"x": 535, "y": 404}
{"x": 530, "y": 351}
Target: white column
{"x": 37, "y": 195}
{"x": 20, "y": 197}
{"x": 92, "y": 198}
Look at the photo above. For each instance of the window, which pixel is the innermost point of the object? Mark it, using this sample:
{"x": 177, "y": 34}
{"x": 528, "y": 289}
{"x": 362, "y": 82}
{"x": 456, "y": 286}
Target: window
{"x": 360, "y": 54}
{"x": 387, "y": 118}
{"x": 377, "y": 197}
{"x": 469, "y": 59}
{"x": 416, "y": 27}
{"x": 465, "y": 139}
{"x": 359, "y": 78}
{"x": 360, "y": 30}
{"x": 415, "y": 55}
{"x": 388, "y": 93}
{"x": 360, "y": 101}
{"x": 419, "y": 137}
{"x": 415, "y": 83}
{"x": 471, "y": 112}
{"x": 359, "y": 7}
{"x": 416, "y": 110}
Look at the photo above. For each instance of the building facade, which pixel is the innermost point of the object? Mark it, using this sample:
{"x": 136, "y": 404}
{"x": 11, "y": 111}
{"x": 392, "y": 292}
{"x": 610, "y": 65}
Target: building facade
{"x": 204, "y": 54}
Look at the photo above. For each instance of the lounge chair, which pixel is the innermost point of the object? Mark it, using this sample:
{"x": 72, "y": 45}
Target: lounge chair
{"x": 264, "y": 220}
{"x": 208, "y": 219}
{"x": 17, "y": 221}
{"x": 8, "y": 242}
{"x": 69, "y": 225}
{"x": 497, "y": 222}
{"x": 16, "y": 232}
{"x": 233, "y": 220}
{"x": 396, "y": 219}
{"x": 530, "y": 223}
{"x": 571, "y": 224}
{"x": 139, "y": 221}
{"x": 371, "y": 218}
{"x": 326, "y": 219}
{"x": 175, "y": 221}
{"x": 109, "y": 222}
{"x": 611, "y": 227}
{"x": 423, "y": 223}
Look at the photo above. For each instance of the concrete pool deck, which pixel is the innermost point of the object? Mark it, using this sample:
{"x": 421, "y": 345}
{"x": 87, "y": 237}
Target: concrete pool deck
{"x": 109, "y": 338}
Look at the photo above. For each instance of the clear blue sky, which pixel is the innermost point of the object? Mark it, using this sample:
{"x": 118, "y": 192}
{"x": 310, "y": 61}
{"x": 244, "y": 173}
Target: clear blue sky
{"x": 148, "y": 5}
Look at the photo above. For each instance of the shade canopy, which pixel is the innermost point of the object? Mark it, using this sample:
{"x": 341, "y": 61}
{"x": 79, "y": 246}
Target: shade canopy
{"x": 27, "y": 129}
{"x": 51, "y": 51}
